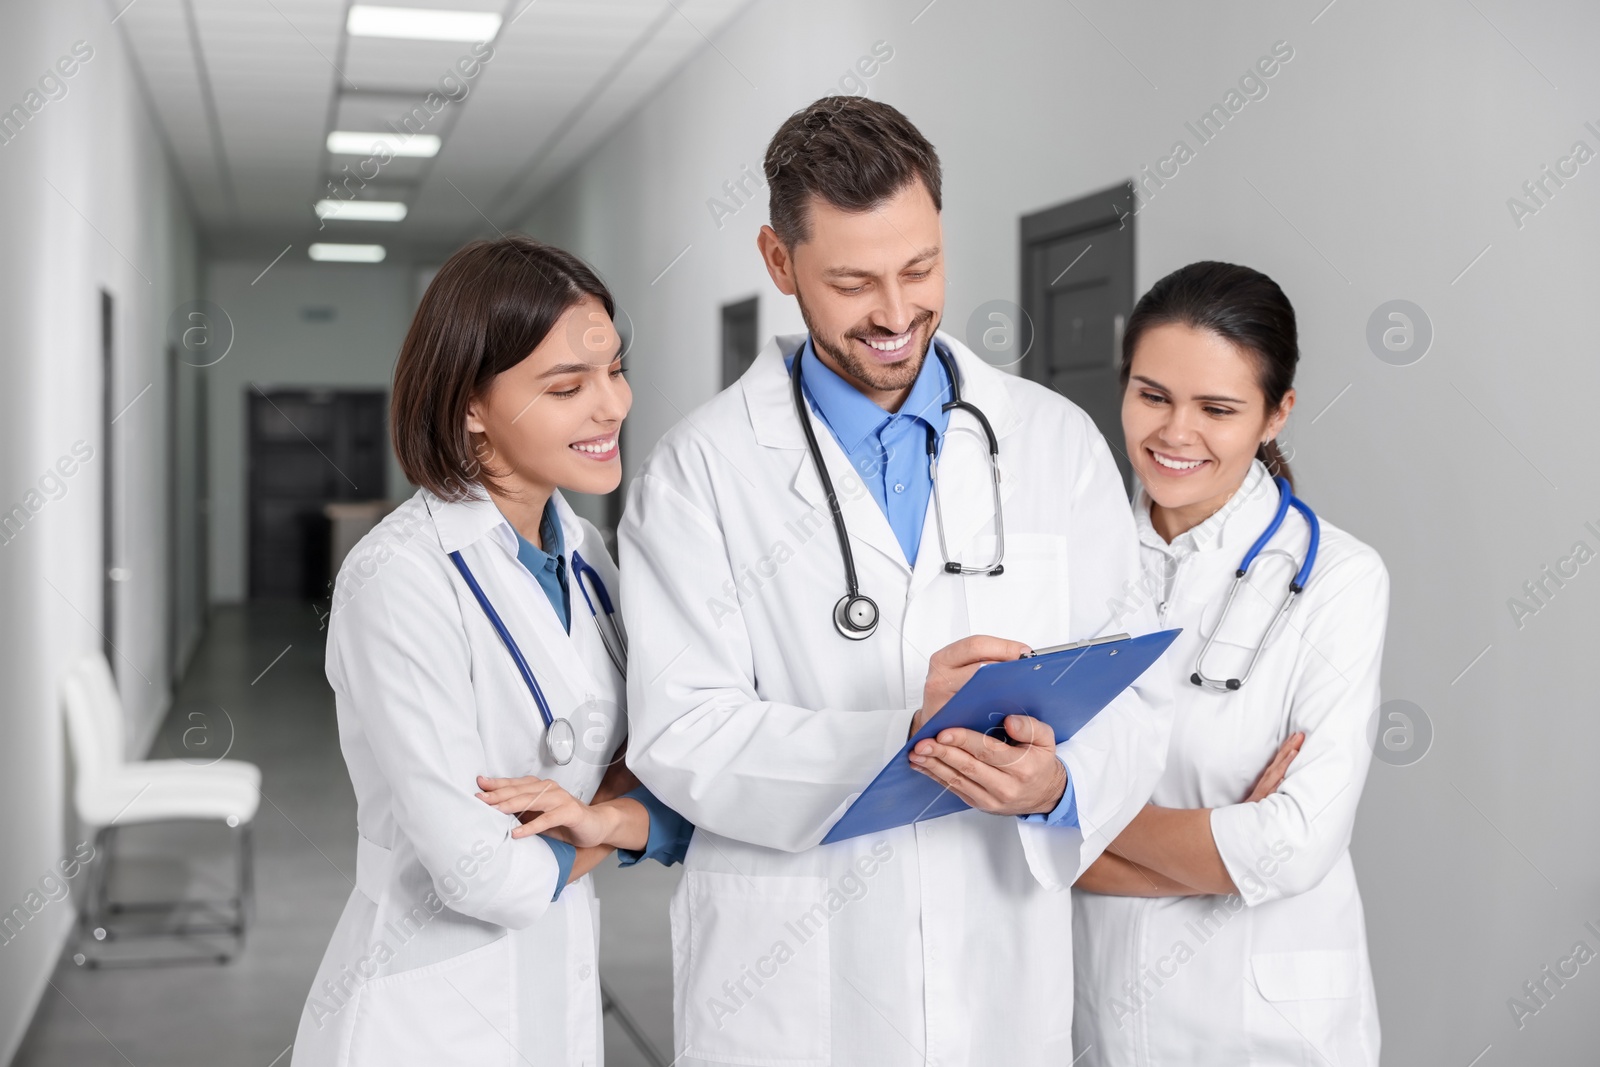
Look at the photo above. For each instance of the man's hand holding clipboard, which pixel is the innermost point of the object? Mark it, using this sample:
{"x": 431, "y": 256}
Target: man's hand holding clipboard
{"x": 1018, "y": 776}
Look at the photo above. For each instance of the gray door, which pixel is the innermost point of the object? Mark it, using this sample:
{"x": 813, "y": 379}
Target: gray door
{"x": 308, "y": 447}
{"x": 740, "y": 341}
{"x": 111, "y": 570}
{"x": 1077, "y": 288}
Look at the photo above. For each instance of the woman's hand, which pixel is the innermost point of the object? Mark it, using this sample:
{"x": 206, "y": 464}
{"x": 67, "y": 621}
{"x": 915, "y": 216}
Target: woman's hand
{"x": 545, "y": 807}
{"x": 1272, "y": 775}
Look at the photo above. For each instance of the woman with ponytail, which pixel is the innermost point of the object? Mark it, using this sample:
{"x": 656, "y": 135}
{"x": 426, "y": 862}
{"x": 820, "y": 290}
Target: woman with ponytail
{"x": 1223, "y": 925}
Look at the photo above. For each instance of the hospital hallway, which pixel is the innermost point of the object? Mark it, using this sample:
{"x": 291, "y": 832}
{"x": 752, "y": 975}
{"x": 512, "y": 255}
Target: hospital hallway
{"x": 222, "y": 222}
{"x": 256, "y": 691}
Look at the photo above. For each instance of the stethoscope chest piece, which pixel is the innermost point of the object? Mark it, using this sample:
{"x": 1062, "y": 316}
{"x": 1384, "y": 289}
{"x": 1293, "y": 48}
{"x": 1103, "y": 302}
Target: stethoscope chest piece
{"x": 855, "y": 616}
{"x": 560, "y": 742}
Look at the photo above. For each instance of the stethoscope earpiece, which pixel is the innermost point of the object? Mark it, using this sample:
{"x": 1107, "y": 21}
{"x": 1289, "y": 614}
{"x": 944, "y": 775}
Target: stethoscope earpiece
{"x": 855, "y": 616}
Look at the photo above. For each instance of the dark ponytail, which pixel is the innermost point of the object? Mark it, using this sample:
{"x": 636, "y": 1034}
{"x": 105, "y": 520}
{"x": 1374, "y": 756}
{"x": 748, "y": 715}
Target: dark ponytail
{"x": 1240, "y": 305}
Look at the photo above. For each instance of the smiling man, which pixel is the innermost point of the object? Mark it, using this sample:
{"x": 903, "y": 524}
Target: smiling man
{"x": 803, "y": 596}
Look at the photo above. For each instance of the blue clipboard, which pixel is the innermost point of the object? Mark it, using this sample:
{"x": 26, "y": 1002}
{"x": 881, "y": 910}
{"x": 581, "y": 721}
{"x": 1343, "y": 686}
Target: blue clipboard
{"x": 1065, "y": 689}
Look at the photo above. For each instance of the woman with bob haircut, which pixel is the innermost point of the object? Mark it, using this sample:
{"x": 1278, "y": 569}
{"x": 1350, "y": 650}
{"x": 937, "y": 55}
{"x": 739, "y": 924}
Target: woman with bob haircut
{"x": 477, "y": 661}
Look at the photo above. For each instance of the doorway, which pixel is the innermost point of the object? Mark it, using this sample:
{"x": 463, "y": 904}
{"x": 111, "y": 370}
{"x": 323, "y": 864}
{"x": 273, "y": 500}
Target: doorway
{"x": 111, "y": 573}
{"x": 1077, "y": 288}
{"x": 740, "y": 341}
{"x": 307, "y": 448}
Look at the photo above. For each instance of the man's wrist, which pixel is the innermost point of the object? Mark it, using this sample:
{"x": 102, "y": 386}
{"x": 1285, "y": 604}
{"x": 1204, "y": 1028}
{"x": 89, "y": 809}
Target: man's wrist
{"x": 1058, "y": 792}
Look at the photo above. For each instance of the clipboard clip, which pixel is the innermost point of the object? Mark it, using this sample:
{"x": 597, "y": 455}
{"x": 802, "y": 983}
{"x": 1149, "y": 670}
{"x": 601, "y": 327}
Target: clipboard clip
{"x": 1069, "y": 646}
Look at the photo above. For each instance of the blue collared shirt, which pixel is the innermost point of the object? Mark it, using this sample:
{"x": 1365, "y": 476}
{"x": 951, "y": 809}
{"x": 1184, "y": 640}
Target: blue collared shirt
{"x": 888, "y": 449}
{"x": 549, "y": 564}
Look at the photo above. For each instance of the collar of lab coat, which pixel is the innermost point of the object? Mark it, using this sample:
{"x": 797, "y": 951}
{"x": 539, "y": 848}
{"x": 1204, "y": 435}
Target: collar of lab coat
{"x": 1234, "y": 526}
{"x": 463, "y": 522}
{"x": 770, "y": 400}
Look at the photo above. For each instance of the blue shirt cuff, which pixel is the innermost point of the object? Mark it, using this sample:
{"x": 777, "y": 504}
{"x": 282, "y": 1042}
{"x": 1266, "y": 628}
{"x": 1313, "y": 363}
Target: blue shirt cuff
{"x": 669, "y": 833}
{"x": 1065, "y": 813}
{"x": 566, "y": 855}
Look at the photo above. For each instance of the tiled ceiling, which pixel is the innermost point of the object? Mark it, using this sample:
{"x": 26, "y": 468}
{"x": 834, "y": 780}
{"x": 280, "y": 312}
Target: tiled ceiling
{"x": 248, "y": 90}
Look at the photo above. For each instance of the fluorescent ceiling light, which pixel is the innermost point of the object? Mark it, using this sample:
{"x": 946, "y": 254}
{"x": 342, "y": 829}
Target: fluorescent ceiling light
{"x": 420, "y": 24}
{"x": 361, "y": 210}
{"x": 331, "y": 253}
{"x": 356, "y": 143}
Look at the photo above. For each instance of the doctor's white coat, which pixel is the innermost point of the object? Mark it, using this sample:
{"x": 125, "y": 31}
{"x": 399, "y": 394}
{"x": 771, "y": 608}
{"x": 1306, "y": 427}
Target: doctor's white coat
{"x": 450, "y": 949}
{"x": 949, "y": 942}
{"x": 1278, "y": 975}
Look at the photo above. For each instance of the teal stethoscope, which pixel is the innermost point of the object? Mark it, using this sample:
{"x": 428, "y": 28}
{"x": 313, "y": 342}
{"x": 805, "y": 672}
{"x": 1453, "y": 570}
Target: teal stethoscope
{"x": 560, "y": 740}
{"x": 1286, "y": 500}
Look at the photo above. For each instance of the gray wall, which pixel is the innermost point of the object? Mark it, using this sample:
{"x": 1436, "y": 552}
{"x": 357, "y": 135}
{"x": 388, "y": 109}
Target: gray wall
{"x": 90, "y": 203}
{"x": 1377, "y": 167}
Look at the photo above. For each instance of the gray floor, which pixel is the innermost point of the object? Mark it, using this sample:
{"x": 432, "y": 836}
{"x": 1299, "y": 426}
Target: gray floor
{"x": 246, "y": 1012}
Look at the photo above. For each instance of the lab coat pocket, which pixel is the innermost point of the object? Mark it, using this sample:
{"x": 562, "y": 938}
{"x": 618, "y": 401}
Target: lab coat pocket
{"x": 456, "y": 1011}
{"x": 755, "y": 988}
{"x": 1027, "y": 602}
{"x": 1310, "y": 997}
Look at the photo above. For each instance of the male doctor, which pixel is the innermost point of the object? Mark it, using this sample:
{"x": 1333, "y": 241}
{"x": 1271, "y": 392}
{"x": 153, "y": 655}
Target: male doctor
{"x": 759, "y": 715}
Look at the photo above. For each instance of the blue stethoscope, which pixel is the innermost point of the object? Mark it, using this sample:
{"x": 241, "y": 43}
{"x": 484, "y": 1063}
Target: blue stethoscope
{"x": 560, "y": 740}
{"x": 1286, "y": 500}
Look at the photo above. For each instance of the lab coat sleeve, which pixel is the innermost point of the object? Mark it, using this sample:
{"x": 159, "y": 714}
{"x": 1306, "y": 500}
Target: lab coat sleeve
{"x": 1115, "y": 761}
{"x": 1287, "y": 843}
{"x": 406, "y": 668}
{"x": 760, "y": 771}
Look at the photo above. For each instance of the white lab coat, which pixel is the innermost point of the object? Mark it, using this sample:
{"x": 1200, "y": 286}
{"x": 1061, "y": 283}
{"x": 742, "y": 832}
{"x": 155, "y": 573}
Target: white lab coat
{"x": 1277, "y": 975}
{"x": 450, "y": 949}
{"x": 948, "y": 942}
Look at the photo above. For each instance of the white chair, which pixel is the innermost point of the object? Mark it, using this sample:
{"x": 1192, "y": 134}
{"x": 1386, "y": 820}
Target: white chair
{"x": 112, "y": 792}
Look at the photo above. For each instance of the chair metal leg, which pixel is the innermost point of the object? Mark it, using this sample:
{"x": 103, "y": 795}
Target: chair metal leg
{"x": 228, "y": 915}
{"x": 245, "y": 901}
{"x": 91, "y": 920}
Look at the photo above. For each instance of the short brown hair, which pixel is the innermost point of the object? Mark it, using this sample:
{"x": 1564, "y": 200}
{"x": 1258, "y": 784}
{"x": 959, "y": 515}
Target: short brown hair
{"x": 491, "y": 304}
{"x": 853, "y": 152}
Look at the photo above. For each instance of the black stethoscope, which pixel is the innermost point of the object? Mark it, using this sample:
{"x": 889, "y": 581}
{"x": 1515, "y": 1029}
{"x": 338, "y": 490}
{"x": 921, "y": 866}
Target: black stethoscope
{"x": 560, "y": 740}
{"x": 856, "y": 615}
{"x": 1286, "y": 500}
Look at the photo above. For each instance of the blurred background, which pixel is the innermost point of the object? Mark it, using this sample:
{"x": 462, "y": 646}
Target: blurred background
{"x": 216, "y": 219}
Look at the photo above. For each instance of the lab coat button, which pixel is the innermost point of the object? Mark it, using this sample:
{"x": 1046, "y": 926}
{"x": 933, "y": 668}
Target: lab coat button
{"x": 584, "y": 972}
